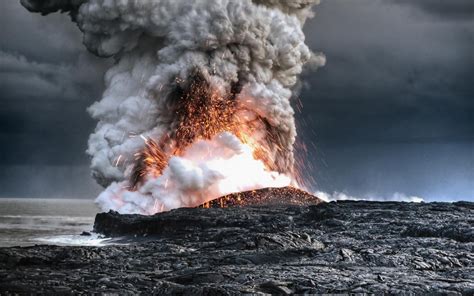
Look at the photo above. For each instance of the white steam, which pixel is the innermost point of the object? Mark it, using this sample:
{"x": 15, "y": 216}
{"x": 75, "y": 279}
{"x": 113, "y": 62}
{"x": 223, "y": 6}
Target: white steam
{"x": 343, "y": 196}
{"x": 258, "y": 45}
{"x": 208, "y": 169}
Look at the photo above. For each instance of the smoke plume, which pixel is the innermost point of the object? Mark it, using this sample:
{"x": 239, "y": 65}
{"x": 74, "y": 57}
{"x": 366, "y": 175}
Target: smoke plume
{"x": 241, "y": 56}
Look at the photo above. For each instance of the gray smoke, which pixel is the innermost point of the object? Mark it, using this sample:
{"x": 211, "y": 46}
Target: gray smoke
{"x": 49, "y": 6}
{"x": 158, "y": 44}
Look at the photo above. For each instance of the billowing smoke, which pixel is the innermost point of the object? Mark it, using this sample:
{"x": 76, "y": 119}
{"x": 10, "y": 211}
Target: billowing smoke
{"x": 207, "y": 82}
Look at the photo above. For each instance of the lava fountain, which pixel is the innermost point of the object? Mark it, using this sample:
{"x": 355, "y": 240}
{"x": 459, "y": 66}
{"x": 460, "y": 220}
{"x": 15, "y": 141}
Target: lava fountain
{"x": 198, "y": 102}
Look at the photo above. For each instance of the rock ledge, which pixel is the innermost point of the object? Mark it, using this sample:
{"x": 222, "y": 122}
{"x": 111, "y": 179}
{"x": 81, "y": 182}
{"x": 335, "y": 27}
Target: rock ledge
{"x": 338, "y": 247}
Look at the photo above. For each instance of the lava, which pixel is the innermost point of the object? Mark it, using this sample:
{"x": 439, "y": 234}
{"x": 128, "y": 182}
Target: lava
{"x": 199, "y": 102}
{"x": 202, "y": 114}
{"x": 266, "y": 196}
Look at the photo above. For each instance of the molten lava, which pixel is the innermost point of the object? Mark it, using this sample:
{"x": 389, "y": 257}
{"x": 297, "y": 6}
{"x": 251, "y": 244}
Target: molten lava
{"x": 150, "y": 162}
{"x": 216, "y": 147}
{"x": 208, "y": 86}
{"x": 202, "y": 113}
{"x": 267, "y": 196}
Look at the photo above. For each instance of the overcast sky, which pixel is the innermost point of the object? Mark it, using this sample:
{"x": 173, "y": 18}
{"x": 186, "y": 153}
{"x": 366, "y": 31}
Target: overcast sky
{"x": 392, "y": 111}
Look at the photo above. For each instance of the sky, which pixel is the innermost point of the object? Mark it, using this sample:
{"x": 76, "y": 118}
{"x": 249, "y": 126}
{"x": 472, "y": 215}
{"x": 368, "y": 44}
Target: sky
{"x": 392, "y": 112}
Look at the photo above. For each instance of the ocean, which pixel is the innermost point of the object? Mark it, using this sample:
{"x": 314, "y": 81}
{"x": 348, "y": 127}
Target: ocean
{"x": 28, "y": 222}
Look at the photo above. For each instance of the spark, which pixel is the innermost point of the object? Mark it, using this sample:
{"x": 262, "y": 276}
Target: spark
{"x": 118, "y": 160}
{"x": 202, "y": 113}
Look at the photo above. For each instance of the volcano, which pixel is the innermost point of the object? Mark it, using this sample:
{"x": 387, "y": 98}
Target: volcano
{"x": 199, "y": 102}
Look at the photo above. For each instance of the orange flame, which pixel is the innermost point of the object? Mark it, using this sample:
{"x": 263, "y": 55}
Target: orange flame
{"x": 202, "y": 113}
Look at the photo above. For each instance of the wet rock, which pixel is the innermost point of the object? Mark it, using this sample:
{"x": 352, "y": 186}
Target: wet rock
{"x": 346, "y": 254}
{"x": 276, "y": 288}
{"x": 331, "y": 248}
{"x": 462, "y": 232}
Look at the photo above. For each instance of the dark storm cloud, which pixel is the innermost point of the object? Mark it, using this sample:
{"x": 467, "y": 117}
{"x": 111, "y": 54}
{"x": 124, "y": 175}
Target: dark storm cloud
{"x": 43, "y": 132}
{"x": 44, "y": 57}
{"x": 452, "y": 9}
{"x": 392, "y": 111}
{"x": 53, "y": 39}
{"x": 47, "y": 80}
{"x": 51, "y": 5}
{"x": 20, "y": 77}
{"x": 390, "y": 76}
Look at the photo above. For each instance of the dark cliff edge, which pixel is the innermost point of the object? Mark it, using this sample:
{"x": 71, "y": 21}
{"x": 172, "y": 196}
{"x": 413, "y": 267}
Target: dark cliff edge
{"x": 192, "y": 219}
{"x": 338, "y": 247}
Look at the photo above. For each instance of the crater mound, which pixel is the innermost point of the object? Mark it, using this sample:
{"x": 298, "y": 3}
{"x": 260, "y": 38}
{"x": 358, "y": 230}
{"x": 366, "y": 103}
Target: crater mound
{"x": 265, "y": 197}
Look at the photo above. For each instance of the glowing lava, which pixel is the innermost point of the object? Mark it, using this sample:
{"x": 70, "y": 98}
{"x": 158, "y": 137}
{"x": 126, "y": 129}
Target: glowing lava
{"x": 266, "y": 196}
{"x": 210, "y": 154}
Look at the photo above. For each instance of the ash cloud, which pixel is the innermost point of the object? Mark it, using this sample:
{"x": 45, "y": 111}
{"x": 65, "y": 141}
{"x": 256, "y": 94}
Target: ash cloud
{"x": 50, "y": 6}
{"x": 258, "y": 46}
{"x": 416, "y": 123}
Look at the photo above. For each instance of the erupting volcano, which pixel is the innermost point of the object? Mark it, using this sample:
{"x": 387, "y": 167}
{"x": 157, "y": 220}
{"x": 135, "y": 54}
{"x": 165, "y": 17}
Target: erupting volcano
{"x": 205, "y": 181}
{"x": 198, "y": 103}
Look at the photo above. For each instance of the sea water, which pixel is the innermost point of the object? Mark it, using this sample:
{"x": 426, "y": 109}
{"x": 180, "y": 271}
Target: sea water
{"x": 28, "y": 221}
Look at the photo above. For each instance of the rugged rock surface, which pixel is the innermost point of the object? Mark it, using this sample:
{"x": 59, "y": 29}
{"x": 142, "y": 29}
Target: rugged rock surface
{"x": 265, "y": 197}
{"x": 358, "y": 247}
{"x": 114, "y": 224}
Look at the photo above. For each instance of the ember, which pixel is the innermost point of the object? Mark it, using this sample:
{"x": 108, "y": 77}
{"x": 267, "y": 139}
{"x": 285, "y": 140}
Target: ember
{"x": 267, "y": 196}
{"x": 198, "y": 103}
{"x": 202, "y": 114}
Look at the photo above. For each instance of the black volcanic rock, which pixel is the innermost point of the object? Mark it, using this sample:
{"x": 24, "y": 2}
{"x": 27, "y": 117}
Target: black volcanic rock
{"x": 338, "y": 247}
{"x": 114, "y": 224}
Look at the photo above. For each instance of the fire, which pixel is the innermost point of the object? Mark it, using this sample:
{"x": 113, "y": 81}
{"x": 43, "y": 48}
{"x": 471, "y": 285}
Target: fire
{"x": 202, "y": 113}
{"x": 150, "y": 162}
{"x": 234, "y": 111}
{"x": 273, "y": 196}
{"x": 217, "y": 148}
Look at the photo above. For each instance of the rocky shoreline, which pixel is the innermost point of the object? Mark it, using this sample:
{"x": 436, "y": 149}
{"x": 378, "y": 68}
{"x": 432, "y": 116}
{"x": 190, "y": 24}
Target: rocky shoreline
{"x": 338, "y": 247}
